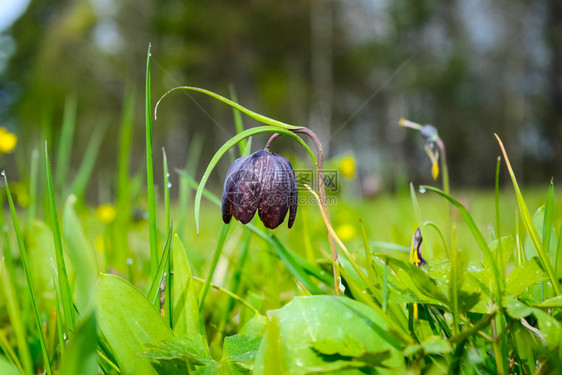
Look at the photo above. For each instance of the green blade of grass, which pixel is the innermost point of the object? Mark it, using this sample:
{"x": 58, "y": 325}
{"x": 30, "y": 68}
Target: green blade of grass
{"x": 33, "y": 174}
{"x": 17, "y": 324}
{"x": 246, "y": 111}
{"x": 547, "y": 228}
{"x": 29, "y": 279}
{"x": 476, "y": 234}
{"x": 228, "y": 145}
{"x": 87, "y": 166}
{"x": 214, "y": 262}
{"x": 157, "y": 280}
{"x": 64, "y": 285}
{"x": 194, "y": 153}
{"x": 152, "y": 230}
{"x": 167, "y": 186}
{"x": 529, "y": 226}
{"x": 498, "y": 222}
{"x": 123, "y": 204}
{"x": 65, "y": 143}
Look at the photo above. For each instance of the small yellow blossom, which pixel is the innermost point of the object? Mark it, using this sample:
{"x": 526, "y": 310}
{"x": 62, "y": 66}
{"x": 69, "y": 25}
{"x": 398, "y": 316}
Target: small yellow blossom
{"x": 434, "y": 157}
{"x": 346, "y": 232}
{"x": 8, "y": 141}
{"x": 106, "y": 213}
{"x": 347, "y": 167}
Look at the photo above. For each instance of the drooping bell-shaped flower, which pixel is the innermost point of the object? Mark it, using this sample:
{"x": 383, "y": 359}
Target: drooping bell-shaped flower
{"x": 263, "y": 182}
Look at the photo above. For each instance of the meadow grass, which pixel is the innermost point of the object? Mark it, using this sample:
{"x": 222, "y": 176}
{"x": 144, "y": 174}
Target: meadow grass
{"x": 239, "y": 299}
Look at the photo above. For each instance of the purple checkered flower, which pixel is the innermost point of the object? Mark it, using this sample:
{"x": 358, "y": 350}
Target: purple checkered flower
{"x": 263, "y": 182}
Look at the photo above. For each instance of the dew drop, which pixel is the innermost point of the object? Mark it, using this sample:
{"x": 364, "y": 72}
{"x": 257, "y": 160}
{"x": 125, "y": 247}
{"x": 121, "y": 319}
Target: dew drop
{"x": 168, "y": 174}
{"x": 129, "y": 261}
{"x": 169, "y": 185}
{"x": 3, "y": 173}
{"x": 422, "y": 190}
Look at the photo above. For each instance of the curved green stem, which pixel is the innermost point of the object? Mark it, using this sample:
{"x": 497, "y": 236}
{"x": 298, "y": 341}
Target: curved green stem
{"x": 246, "y": 111}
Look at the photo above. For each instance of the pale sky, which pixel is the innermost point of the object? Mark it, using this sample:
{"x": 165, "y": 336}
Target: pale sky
{"x": 10, "y": 10}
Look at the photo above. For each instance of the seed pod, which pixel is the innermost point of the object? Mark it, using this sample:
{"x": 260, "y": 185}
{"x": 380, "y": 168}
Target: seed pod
{"x": 263, "y": 182}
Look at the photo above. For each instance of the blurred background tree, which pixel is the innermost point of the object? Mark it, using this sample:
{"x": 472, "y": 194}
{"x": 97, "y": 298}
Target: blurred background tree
{"x": 349, "y": 69}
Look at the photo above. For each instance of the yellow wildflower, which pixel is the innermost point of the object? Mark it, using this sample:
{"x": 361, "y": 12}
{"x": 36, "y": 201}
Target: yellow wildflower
{"x": 8, "y": 141}
{"x": 347, "y": 167}
{"x": 346, "y": 232}
{"x": 106, "y": 213}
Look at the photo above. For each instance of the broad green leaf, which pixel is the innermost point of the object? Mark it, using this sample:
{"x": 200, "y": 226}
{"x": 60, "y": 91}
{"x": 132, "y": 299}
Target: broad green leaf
{"x": 431, "y": 345}
{"x": 184, "y": 294}
{"x": 80, "y": 357}
{"x": 128, "y": 321}
{"x": 554, "y": 302}
{"x": 523, "y": 342}
{"x": 6, "y": 368}
{"x": 550, "y": 328}
{"x": 81, "y": 256}
{"x": 193, "y": 348}
{"x": 255, "y": 326}
{"x": 524, "y": 276}
{"x": 288, "y": 345}
{"x": 515, "y": 308}
{"x": 413, "y": 276}
{"x": 241, "y": 349}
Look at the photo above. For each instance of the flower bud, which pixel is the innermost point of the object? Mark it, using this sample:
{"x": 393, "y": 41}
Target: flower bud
{"x": 263, "y": 182}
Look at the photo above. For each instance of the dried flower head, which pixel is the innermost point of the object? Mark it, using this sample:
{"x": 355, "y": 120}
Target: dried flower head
{"x": 263, "y": 182}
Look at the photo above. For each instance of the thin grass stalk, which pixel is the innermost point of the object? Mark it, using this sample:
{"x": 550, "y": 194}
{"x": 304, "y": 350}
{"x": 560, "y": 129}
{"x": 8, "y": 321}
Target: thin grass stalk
{"x": 498, "y": 220}
{"x": 167, "y": 185}
{"x": 33, "y": 175}
{"x": 454, "y": 280}
{"x": 14, "y": 313}
{"x": 214, "y": 262}
{"x": 152, "y": 230}
{"x": 65, "y": 143}
{"x": 529, "y": 226}
{"x": 547, "y": 229}
{"x": 123, "y": 204}
{"x": 29, "y": 279}
{"x": 229, "y": 294}
{"x": 64, "y": 285}
{"x": 60, "y": 323}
